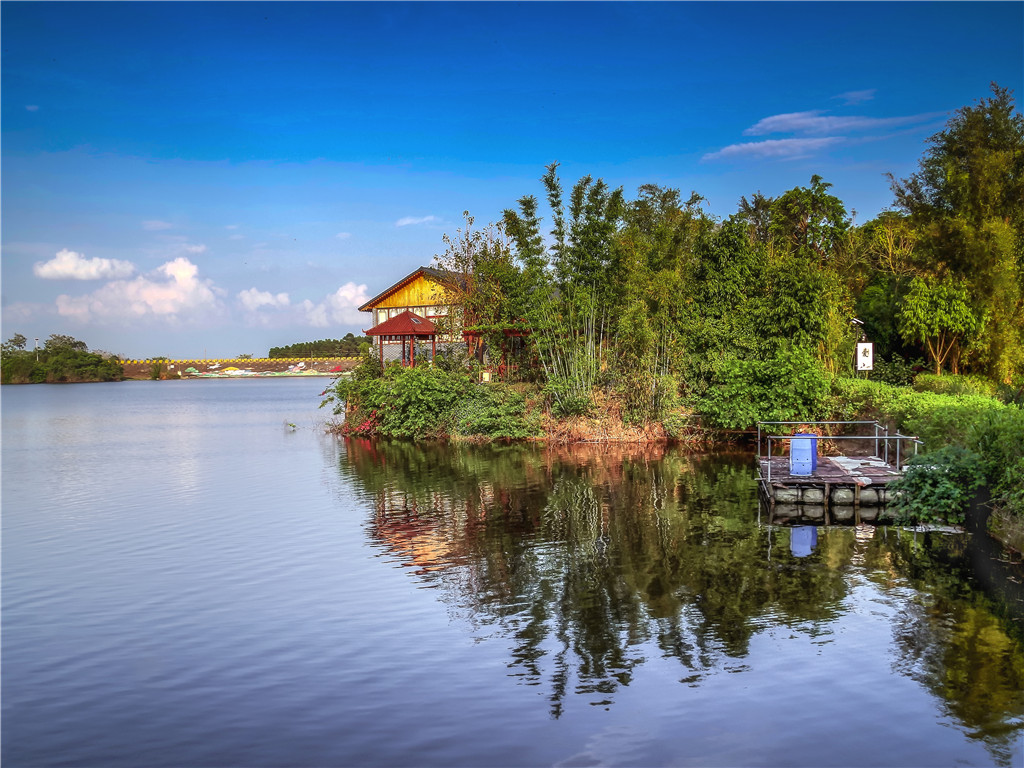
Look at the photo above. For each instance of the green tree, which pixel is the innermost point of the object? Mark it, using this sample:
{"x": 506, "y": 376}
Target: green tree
{"x": 14, "y": 344}
{"x": 569, "y": 289}
{"x": 938, "y": 314}
{"x": 965, "y": 201}
{"x": 59, "y": 341}
{"x": 809, "y": 220}
{"x": 486, "y": 287}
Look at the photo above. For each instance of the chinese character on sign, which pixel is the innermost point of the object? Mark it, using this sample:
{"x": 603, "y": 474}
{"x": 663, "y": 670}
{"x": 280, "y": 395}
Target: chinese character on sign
{"x": 865, "y": 356}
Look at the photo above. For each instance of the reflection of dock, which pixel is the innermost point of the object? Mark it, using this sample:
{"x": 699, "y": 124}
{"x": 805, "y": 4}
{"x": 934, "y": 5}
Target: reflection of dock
{"x": 829, "y": 489}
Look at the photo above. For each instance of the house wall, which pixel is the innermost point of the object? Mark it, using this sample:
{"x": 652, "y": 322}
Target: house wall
{"x": 423, "y": 296}
{"x": 421, "y": 292}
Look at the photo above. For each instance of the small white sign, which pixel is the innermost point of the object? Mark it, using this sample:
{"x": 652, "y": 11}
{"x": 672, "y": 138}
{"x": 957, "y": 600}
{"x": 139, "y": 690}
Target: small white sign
{"x": 865, "y": 356}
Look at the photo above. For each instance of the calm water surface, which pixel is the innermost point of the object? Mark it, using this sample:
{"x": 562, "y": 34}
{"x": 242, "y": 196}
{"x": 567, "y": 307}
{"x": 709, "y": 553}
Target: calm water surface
{"x": 188, "y": 580}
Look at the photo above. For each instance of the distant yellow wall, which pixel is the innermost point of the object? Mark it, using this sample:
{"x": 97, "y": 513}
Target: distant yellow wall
{"x": 421, "y": 292}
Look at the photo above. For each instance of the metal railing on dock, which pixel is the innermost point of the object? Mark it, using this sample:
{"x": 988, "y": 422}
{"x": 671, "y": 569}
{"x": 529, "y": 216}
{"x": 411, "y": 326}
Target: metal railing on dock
{"x": 880, "y": 436}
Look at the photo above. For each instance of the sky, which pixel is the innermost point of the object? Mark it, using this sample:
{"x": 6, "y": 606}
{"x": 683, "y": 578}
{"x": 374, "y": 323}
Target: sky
{"x": 203, "y": 179}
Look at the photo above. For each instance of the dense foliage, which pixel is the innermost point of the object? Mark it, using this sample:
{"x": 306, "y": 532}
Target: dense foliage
{"x": 966, "y": 434}
{"x": 654, "y": 300}
{"x": 653, "y": 304}
{"x": 348, "y": 346}
{"x": 61, "y": 359}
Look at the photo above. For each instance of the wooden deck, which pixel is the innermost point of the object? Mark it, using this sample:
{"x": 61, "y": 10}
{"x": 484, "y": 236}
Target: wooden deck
{"x": 841, "y": 489}
{"x": 837, "y": 470}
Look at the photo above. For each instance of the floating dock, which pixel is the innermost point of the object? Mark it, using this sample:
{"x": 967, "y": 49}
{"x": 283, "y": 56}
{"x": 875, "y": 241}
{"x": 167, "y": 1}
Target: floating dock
{"x": 834, "y": 489}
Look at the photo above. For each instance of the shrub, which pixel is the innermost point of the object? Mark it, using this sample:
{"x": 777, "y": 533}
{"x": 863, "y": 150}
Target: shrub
{"x": 937, "y": 487}
{"x": 985, "y": 427}
{"x": 790, "y": 386}
{"x": 937, "y": 419}
{"x": 954, "y": 385}
{"x": 897, "y": 371}
{"x": 998, "y": 436}
{"x": 493, "y": 411}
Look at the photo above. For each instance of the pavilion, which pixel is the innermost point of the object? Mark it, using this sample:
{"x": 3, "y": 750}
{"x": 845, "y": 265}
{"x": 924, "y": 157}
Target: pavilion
{"x": 401, "y": 336}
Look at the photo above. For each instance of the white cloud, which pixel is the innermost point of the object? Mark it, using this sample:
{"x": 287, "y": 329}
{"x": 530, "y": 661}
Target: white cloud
{"x": 68, "y": 265}
{"x": 231, "y": 226}
{"x": 815, "y": 122}
{"x": 856, "y": 97}
{"x": 406, "y": 221}
{"x": 196, "y": 248}
{"x": 815, "y": 131}
{"x": 154, "y": 225}
{"x": 173, "y": 290}
{"x": 253, "y": 298}
{"x": 32, "y": 107}
{"x": 789, "y": 149}
{"x": 340, "y": 308}
{"x": 343, "y": 235}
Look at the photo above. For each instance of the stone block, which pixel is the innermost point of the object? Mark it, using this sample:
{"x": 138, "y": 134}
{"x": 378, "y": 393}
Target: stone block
{"x": 842, "y": 496}
{"x": 787, "y": 495}
{"x": 869, "y": 497}
{"x": 813, "y": 496}
{"x": 869, "y": 514}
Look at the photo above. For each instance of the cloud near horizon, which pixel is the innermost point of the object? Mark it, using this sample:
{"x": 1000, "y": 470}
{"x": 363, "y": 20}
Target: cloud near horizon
{"x": 254, "y": 299}
{"x": 408, "y": 220}
{"x": 174, "y": 289}
{"x": 339, "y": 308}
{"x": 69, "y": 265}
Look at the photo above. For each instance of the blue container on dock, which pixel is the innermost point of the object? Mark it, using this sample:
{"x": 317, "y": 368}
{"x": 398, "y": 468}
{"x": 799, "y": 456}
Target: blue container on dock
{"x": 803, "y": 454}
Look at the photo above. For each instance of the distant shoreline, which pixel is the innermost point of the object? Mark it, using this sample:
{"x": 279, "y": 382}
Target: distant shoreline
{"x": 237, "y": 368}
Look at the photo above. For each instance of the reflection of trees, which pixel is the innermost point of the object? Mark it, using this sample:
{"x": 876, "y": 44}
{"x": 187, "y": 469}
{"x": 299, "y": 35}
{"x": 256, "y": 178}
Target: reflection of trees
{"x": 966, "y": 651}
{"x": 583, "y": 557}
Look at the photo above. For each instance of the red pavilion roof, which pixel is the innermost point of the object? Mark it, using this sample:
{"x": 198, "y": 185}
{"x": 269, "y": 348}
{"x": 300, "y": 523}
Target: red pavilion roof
{"x": 406, "y": 324}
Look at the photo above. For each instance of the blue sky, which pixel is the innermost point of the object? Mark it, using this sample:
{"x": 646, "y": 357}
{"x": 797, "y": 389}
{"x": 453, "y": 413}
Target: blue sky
{"x": 190, "y": 179}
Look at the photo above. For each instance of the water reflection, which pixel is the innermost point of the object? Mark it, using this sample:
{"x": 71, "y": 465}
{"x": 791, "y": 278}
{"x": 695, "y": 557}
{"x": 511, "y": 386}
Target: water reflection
{"x": 586, "y": 559}
{"x": 803, "y": 539}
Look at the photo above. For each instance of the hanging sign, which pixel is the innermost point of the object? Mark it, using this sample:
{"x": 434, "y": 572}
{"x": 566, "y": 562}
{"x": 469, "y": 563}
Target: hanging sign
{"x": 865, "y": 356}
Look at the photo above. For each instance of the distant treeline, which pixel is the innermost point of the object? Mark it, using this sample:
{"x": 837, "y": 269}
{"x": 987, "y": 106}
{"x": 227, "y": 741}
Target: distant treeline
{"x": 61, "y": 359}
{"x": 349, "y": 346}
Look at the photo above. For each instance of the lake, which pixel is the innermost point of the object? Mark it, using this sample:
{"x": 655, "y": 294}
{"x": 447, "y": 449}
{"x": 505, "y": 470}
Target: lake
{"x": 195, "y": 574}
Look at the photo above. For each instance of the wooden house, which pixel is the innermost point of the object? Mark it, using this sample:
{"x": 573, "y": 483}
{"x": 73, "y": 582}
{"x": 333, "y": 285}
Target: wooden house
{"x": 415, "y": 319}
{"x": 407, "y": 315}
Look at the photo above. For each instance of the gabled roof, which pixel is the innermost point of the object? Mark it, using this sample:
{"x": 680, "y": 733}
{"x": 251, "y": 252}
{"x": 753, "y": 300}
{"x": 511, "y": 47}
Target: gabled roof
{"x": 436, "y": 274}
{"x": 406, "y": 324}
